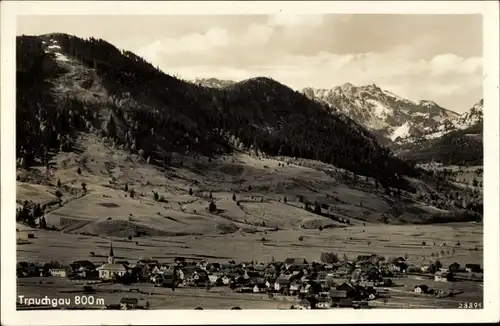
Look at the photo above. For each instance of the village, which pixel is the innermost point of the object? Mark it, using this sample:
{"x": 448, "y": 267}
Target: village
{"x": 367, "y": 281}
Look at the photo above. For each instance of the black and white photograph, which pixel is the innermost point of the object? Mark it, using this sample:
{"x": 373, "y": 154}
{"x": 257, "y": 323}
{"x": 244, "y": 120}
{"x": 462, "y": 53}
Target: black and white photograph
{"x": 170, "y": 157}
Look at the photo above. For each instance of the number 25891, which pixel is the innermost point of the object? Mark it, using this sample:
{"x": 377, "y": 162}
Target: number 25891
{"x": 470, "y": 305}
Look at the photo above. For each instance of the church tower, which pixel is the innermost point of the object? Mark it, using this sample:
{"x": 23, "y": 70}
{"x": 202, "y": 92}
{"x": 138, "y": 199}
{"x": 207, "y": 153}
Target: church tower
{"x": 111, "y": 256}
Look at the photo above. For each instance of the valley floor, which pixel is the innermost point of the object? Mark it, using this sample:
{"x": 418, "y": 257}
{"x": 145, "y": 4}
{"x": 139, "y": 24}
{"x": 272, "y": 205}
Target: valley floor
{"x": 260, "y": 225}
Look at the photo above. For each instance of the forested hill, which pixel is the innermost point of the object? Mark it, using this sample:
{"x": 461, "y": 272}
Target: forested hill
{"x": 67, "y": 84}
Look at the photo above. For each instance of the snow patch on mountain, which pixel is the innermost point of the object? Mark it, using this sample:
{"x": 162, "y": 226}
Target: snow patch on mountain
{"x": 401, "y": 132}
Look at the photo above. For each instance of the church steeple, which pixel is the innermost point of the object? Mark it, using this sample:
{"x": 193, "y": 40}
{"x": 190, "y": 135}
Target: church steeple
{"x": 111, "y": 256}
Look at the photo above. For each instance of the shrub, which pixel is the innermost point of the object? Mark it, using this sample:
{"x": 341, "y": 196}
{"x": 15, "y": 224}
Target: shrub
{"x": 320, "y": 228}
{"x": 424, "y": 243}
{"x": 301, "y": 238}
{"x": 317, "y": 208}
{"x": 329, "y": 258}
{"x": 129, "y": 237}
{"x": 212, "y": 207}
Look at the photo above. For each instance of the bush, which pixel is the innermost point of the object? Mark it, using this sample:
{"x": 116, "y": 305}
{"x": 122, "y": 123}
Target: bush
{"x": 320, "y": 228}
{"x": 317, "y": 208}
{"x": 212, "y": 207}
{"x": 301, "y": 238}
{"x": 424, "y": 243}
{"x": 329, "y": 258}
{"x": 129, "y": 237}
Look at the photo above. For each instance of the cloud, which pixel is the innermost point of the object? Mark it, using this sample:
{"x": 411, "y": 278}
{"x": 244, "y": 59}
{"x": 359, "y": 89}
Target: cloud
{"x": 194, "y": 42}
{"x": 257, "y": 35}
{"x": 449, "y": 63}
{"x": 308, "y": 50}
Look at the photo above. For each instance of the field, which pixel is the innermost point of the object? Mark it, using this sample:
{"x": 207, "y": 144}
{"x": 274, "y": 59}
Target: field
{"x": 259, "y": 225}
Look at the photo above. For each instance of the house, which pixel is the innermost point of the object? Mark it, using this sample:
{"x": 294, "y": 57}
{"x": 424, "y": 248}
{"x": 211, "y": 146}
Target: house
{"x": 323, "y": 303}
{"x": 260, "y": 281}
{"x": 60, "y": 271}
{"x": 345, "y": 303}
{"x": 215, "y": 279}
{"x": 167, "y": 280}
{"x": 260, "y": 267}
{"x": 128, "y": 303}
{"x": 363, "y": 258}
{"x": 473, "y": 268}
{"x": 443, "y": 276}
{"x": 345, "y": 268}
{"x": 425, "y": 268}
{"x": 398, "y": 260}
{"x": 289, "y": 262}
{"x": 421, "y": 289}
{"x": 337, "y": 295}
{"x": 84, "y": 263}
{"x": 281, "y": 282}
{"x": 295, "y": 287}
{"x": 83, "y": 269}
{"x": 305, "y": 304}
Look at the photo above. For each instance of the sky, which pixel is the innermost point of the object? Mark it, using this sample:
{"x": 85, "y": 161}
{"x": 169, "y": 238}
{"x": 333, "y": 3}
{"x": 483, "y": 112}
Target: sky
{"x": 419, "y": 57}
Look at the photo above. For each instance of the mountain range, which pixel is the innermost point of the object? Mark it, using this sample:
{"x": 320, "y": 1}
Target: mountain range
{"x": 392, "y": 119}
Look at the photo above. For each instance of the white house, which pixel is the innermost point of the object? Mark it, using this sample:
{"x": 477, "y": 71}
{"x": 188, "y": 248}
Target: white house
{"x": 60, "y": 271}
{"x": 441, "y": 277}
